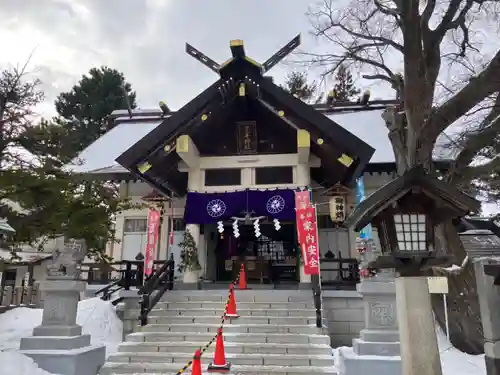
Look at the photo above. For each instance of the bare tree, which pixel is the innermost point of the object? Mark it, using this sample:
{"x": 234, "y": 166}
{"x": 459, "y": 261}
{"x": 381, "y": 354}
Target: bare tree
{"x": 446, "y": 76}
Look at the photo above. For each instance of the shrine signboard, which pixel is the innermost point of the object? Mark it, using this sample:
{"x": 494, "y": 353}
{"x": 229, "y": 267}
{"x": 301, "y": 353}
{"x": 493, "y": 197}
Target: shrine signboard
{"x": 308, "y": 238}
{"x": 247, "y": 137}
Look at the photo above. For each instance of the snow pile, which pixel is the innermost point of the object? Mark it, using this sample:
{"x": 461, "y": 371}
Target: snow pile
{"x": 453, "y": 361}
{"x": 98, "y": 318}
{"x": 17, "y": 364}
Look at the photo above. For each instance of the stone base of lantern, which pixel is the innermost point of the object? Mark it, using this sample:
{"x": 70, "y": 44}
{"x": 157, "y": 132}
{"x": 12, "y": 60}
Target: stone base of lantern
{"x": 57, "y": 345}
{"x": 55, "y": 355}
{"x": 377, "y": 348}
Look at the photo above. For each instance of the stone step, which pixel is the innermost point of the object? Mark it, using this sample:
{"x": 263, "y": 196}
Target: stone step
{"x": 230, "y": 347}
{"x": 240, "y": 295}
{"x": 238, "y": 328}
{"x": 259, "y": 338}
{"x": 113, "y": 368}
{"x": 255, "y": 359}
{"x": 239, "y": 305}
{"x": 278, "y": 320}
{"x": 305, "y": 313}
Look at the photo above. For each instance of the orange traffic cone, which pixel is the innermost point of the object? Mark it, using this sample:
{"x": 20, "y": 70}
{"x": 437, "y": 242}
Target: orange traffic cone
{"x": 231, "y": 305}
{"x": 243, "y": 278}
{"x": 219, "y": 364}
{"x": 196, "y": 365}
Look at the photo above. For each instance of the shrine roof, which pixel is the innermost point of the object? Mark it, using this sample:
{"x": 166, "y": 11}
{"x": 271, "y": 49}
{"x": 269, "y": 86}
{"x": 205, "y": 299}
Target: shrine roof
{"x": 99, "y": 158}
{"x": 391, "y": 192}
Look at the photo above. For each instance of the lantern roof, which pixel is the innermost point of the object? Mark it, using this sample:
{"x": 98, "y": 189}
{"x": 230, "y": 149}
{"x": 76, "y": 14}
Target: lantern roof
{"x": 458, "y": 203}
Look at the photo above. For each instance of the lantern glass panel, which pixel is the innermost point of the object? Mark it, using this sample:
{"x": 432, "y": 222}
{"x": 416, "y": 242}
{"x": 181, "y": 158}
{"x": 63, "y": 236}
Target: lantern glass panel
{"x": 410, "y": 232}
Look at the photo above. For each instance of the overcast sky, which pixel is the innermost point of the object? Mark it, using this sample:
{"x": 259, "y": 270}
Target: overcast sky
{"x": 145, "y": 39}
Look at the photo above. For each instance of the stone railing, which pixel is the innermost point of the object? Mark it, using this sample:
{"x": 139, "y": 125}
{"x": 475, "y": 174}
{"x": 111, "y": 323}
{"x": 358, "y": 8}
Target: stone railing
{"x": 11, "y": 297}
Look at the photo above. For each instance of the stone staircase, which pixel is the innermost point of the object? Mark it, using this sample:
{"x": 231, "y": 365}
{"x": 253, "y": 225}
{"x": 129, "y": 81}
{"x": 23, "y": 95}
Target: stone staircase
{"x": 276, "y": 333}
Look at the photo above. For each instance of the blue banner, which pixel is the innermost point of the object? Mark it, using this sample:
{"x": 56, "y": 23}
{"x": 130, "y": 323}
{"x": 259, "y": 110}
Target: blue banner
{"x": 366, "y": 232}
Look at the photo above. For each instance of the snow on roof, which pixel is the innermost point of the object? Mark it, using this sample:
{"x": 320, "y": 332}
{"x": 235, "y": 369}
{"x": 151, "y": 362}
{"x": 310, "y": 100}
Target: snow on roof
{"x": 100, "y": 156}
{"x": 25, "y": 256}
{"x": 370, "y": 127}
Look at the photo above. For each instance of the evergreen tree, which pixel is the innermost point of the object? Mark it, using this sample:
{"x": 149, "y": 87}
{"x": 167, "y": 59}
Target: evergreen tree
{"x": 296, "y": 84}
{"x": 344, "y": 88}
{"x": 189, "y": 253}
{"x": 87, "y": 106}
{"x": 38, "y": 198}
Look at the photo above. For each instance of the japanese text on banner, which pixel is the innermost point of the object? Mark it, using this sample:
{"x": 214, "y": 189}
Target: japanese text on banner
{"x": 302, "y": 201}
{"x": 309, "y": 244}
{"x": 152, "y": 239}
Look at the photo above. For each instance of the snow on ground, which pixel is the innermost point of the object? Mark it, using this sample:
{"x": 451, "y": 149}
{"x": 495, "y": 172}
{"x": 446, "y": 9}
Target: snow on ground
{"x": 98, "y": 318}
{"x": 453, "y": 361}
{"x": 14, "y": 363}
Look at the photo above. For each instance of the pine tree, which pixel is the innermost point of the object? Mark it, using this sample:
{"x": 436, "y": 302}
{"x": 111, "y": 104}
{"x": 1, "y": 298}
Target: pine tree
{"x": 344, "y": 87}
{"x": 189, "y": 253}
{"x": 297, "y": 85}
{"x": 86, "y": 107}
{"x": 47, "y": 201}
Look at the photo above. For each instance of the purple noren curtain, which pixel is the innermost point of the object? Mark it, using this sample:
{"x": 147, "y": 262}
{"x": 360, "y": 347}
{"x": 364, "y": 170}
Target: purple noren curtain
{"x": 208, "y": 208}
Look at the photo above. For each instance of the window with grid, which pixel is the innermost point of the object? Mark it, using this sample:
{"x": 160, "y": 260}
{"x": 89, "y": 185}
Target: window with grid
{"x": 135, "y": 225}
{"x": 179, "y": 224}
{"x": 410, "y": 232}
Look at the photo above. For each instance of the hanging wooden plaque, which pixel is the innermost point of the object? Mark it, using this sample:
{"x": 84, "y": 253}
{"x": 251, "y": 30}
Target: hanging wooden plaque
{"x": 247, "y": 137}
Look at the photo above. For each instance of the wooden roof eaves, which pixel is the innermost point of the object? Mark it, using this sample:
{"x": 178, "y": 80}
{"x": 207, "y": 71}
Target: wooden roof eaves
{"x": 326, "y": 126}
{"x": 394, "y": 189}
{"x": 163, "y": 131}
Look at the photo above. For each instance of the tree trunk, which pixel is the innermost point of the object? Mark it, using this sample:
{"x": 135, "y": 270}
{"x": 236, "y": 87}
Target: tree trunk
{"x": 463, "y": 305}
{"x": 464, "y": 318}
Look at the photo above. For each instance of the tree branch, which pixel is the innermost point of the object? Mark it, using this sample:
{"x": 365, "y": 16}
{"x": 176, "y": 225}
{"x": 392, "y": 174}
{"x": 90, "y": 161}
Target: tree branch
{"x": 357, "y": 35}
{"x": 483, "y": 171}
{"x": 427, "y": 14}
{"x": 475, "y": 141}
{"x": 478, "y": 88}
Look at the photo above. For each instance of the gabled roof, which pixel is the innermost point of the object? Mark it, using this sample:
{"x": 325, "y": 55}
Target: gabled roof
{"x": 415, "y": 177}
{"x": 97, "y": 161}
{"x": 331, "y": 140}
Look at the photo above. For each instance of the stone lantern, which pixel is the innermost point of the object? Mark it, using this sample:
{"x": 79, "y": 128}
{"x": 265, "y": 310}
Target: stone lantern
{"x": 406, "y": 212}
{"x": 487, "y": 270}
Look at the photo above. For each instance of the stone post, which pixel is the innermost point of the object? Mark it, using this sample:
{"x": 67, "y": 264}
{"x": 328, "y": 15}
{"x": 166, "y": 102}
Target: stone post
{"x": 489, "y": 301}
{"x": 57, "y": 345}
{"x": 417, "y": 332}
{"x": 128, "y": 311}
{"x": 380, "y": 337}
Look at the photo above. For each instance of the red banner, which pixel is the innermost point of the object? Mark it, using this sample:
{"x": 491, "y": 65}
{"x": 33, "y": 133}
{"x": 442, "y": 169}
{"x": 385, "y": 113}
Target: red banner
{"x": 152, "y": 240}
{"x": 302, "y": 201}
{"x": 308, "y": 239}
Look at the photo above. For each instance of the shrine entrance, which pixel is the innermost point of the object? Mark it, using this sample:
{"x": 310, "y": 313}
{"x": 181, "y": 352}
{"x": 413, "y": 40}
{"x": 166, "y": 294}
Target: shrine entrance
{"x": 269, "y": 259}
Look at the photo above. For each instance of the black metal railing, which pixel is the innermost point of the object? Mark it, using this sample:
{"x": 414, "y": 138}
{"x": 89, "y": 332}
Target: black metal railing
{"x": 117, "y": 276}
{"x": 339, "y": 273}
{"x": 316, "y": 286}
{"x": 155, "y": 286}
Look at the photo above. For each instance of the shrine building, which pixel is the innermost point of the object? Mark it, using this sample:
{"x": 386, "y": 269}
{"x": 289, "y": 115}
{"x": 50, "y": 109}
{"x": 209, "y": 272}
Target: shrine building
{"x": 238, "y": 152}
